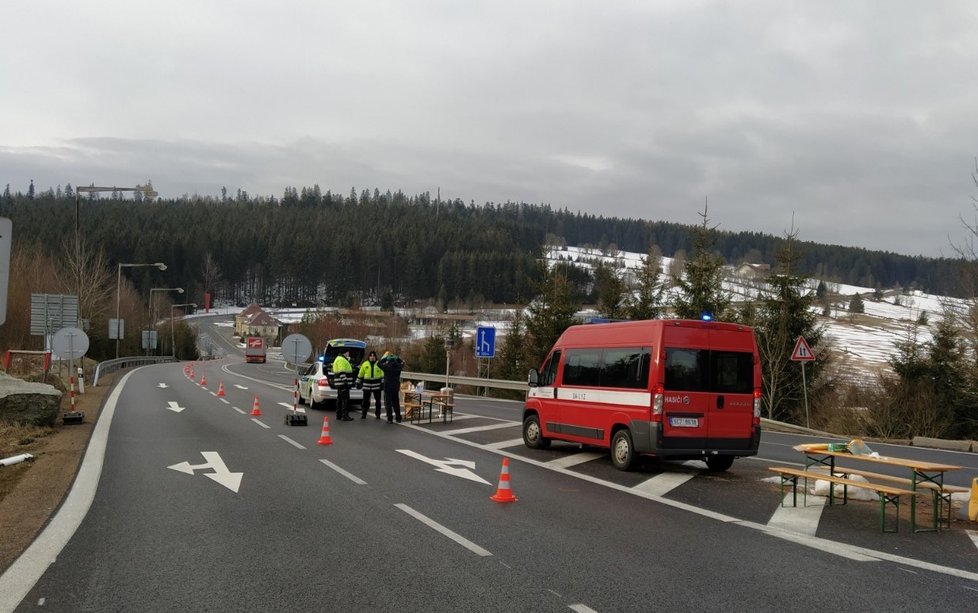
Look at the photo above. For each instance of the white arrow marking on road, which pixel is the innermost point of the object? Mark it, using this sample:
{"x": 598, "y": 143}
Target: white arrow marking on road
{"x": 221, "y": 474}
{"x": 174, "y": 406}
{"x": 240, "y": 387}
{"x": 447, "y": 466}
{"x": 164, "y": 385}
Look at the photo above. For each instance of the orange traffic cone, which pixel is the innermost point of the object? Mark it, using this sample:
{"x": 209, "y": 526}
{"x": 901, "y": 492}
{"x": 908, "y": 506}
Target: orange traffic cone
{"x": 220, "y": 390}
{"x": 255, "y": 409}
{"x": 203, "y": 380}
{"x": 503, "y": 492}
{"x": 325, "y": 438}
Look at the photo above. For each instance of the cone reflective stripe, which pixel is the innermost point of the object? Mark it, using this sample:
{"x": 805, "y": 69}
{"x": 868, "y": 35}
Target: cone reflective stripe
{"x": 503, "y": 492}
{"x": 255, "y": 409}
{"x": 324, "y": 438}
{"x": 220, "y": 390}
{"x": 203, "y": 380}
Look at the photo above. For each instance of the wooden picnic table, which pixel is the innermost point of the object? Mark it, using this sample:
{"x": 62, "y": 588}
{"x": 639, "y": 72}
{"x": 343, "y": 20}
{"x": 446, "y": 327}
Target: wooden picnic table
{"x": 928, "y": 475}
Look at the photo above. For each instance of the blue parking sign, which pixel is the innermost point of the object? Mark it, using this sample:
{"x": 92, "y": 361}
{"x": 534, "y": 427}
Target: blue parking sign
{"x": 485, "y": 342}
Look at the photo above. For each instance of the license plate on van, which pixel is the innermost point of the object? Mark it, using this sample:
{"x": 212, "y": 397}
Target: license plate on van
{"x": 684, "y": 422}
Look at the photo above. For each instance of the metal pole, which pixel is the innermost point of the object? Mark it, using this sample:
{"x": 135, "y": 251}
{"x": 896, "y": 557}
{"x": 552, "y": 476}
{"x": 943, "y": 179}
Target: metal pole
{"x": 173, "y": 346}
{"x": 804, "y": 387}
{"x": 118, "y": 299}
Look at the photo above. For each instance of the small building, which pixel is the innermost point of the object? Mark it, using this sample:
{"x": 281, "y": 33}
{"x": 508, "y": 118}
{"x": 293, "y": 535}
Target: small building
{"x": 264, "y": 325}
{"x": 242, "y": 318}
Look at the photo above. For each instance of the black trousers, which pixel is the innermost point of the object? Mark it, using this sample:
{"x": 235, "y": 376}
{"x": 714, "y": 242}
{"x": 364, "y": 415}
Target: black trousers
{"x": 366, "y": 402}
{"x": 342, "y": 403}
{"x": 392, "y": 400}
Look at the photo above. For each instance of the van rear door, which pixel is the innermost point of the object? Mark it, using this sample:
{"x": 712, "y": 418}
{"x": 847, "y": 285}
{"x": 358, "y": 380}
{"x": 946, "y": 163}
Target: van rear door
{"x": 732, "y": 365}
{"x": 686, "y": 397}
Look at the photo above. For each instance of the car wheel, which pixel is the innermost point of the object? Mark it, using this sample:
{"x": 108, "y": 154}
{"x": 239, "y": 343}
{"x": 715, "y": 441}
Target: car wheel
{"x": 719, "y": 463}
{"x": 622, "y": 450}
{"x": 533, "y": 433}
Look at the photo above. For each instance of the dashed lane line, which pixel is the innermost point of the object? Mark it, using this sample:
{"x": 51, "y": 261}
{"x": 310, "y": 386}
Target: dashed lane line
{"x": 260, "y": 423}
{"x": 291, "y": 442}
{"x": 346, "y": 474}
{"x": 458, "y": 538}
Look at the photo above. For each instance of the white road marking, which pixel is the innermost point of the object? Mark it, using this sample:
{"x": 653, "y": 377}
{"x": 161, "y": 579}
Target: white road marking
{"x": 458, "y": 538}
{"x": 574, "y": 459}
{"x": 221, "y": 474}
{"x": 289, "y": 407}
{"x": 482, "y": 428}
{"x": 290, "y": 441}
{"x": 259, "y": 422}
{"x": 663, "y": 483}
{"x": 349, "y": 476}
{"x": 800, "y": 519}
{"x": 581, "y": 608}
{"x": 513, "y": 442}
{"x": 973, "y": 535}
{"x": 224, "y": 400}
{"x": 238, "y": 410}
{"x": 174, "y": 406}
{"x": 450, "y": 466}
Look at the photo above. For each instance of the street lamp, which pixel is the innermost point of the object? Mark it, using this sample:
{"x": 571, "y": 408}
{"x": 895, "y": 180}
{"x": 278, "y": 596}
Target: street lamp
{"x": 152, "y": 313}
{"x": 118, "y": 298}
{"x": 173, "y": 344}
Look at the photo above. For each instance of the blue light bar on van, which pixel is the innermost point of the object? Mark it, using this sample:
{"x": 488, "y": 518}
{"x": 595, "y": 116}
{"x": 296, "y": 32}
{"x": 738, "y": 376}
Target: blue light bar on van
{"x": 706, "y": 316}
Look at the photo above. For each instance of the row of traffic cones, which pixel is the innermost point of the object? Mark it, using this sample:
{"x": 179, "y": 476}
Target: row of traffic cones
{"x": 504, "y": 492}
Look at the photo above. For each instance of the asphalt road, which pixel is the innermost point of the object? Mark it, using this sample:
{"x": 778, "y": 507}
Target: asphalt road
{"x": 398, "y": 517}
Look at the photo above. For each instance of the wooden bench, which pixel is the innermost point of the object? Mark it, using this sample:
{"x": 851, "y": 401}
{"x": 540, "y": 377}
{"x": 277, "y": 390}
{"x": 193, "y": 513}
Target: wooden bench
{"x": 887, "y": 494}
{"x": 941, "y": 493}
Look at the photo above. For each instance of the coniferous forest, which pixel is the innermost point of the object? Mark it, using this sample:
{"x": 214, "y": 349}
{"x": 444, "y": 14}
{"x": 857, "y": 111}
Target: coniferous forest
{"x": 311, "y": 247}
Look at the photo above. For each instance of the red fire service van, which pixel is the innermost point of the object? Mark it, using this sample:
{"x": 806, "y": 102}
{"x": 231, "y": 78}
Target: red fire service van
{"x": 676, "y": 389}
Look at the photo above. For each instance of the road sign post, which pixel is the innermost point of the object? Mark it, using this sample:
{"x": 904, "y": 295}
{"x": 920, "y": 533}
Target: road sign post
{"x": 296, "y": 349}
{"x": 803, "y": 353}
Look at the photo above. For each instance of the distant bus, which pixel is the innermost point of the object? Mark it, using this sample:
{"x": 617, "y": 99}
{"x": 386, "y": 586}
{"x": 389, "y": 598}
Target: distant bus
{"x": 255, "y": 350}
{"x": 676, "y": 389}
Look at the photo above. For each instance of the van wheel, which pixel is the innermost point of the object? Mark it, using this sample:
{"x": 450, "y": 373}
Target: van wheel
{"x": 533, "y": 433}
{"x": 622, "y": 450}
{"x": 719, "y": 463}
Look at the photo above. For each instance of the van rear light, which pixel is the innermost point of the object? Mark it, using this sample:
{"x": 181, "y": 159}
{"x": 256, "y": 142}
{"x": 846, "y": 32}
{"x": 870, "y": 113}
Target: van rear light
{"x": 324, "y": 382}
{"x": 757, "y": 407}
{"x": 658, "y": 398}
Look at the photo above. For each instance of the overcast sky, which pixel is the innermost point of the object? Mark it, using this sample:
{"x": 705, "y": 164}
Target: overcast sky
{"x": 859, "y": 118}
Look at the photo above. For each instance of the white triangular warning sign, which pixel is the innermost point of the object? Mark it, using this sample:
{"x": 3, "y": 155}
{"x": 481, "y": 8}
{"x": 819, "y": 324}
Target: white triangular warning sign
{"x": 803, "y": 352}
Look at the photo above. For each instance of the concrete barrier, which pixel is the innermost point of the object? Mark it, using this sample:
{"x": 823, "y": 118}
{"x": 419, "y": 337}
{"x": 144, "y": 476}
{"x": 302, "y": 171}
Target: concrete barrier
{"x": 940, "y": 443}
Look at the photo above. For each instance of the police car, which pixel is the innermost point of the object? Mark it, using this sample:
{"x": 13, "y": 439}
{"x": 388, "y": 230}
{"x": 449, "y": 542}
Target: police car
{"x": 316, "y": 384}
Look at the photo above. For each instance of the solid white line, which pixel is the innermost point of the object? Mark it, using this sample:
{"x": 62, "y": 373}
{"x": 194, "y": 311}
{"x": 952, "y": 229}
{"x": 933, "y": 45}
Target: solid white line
{"x": 349, "y": 476}
{"x": 238, "y": 410}
{"x": 663, "y": 483}
{"x": 845, "y": 550}
{"x": 458, "y": 538}
{"x": 580, "y": 608}
{"x": 574, "y": 459}
{"x": 28, "y": 568}
{"x": 265, "y": 426}
{"x": 513, "y": 442}
{"x": 482, "y": 428}
{"x": 801, "y": 519}
{"x": 290, "y": 441}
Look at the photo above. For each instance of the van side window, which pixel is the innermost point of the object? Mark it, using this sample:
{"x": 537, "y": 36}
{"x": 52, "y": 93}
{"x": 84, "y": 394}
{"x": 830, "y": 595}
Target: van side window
{"x": 548, "y": 374}
{"x": 686, "y": 370}
{"x": 732, "y": 372}
{"x": 628, "y": 368}
{"x": 583, "y": 367}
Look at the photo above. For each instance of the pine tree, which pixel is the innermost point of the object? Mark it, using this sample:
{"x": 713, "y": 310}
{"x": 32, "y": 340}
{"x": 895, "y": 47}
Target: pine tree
{"x": 701, "y": 288}
{"x": 551, "y": 313}
{"x": 650, "y": 289}
{"x": 610, "y": 289}
{"x": 856, "y": 304}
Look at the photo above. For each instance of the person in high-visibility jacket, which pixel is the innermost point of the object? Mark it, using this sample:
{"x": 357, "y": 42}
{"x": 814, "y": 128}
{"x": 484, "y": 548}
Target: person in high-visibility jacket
{"x": 371, "y": 379}
{"x": 343, "y": 381}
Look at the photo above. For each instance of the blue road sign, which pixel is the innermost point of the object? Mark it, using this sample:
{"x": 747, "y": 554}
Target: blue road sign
{"x": 485, "y": 342}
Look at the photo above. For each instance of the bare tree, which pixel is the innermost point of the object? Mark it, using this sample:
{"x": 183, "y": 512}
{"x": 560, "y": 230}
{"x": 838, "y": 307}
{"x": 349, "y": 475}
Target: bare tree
{"x": 84, "y": 271}
{"x": 210, "y": 272}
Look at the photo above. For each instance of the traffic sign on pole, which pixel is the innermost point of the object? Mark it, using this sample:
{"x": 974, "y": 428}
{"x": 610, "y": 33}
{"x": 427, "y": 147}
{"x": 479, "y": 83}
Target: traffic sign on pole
{"x": 802, "y": 352}
{"x": 485, "y": 342}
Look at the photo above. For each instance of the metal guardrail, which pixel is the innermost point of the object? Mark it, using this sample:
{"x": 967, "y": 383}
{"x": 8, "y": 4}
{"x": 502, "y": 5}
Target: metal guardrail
{"x": 502, "y": 384}
{"x": 141, "y": 360}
